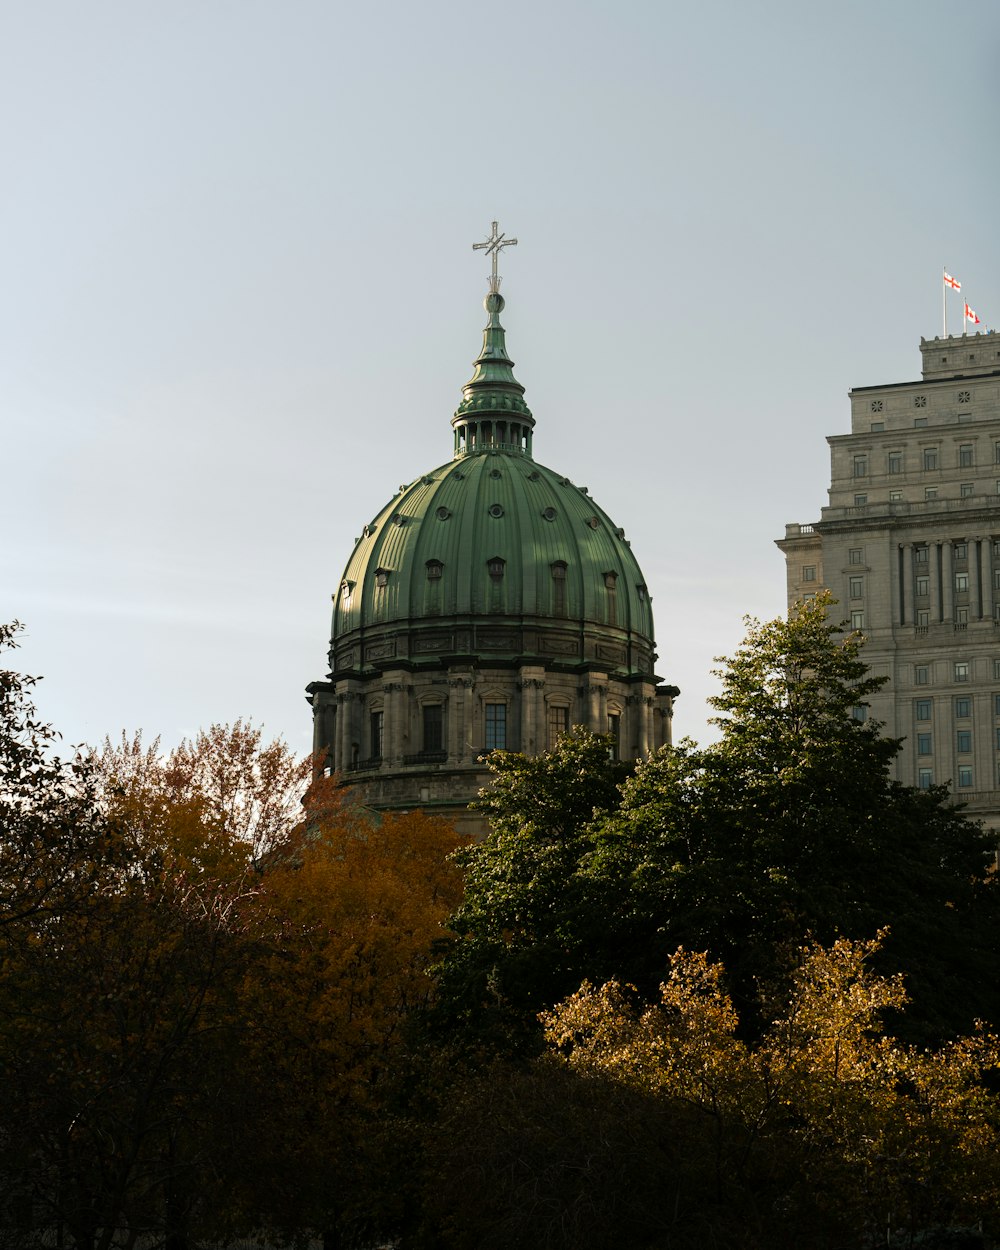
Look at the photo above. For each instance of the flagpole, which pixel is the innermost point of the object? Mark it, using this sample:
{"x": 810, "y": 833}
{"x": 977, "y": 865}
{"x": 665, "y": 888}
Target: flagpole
{"x": 944, "y": 301}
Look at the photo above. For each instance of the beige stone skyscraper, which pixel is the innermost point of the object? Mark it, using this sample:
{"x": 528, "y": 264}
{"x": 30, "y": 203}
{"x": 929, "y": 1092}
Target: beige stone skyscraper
{"x": 909, "y": 544}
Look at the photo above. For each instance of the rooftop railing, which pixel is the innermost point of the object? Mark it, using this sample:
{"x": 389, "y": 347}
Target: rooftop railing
{"x": 478, "y": 449}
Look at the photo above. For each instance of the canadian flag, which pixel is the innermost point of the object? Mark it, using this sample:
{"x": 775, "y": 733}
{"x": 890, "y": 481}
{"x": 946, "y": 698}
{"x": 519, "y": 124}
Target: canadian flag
{"x": 952, "y": 282}
{"x": 971, "y": 316}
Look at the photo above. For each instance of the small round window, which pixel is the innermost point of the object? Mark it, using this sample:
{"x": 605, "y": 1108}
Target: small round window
{"x": 496, "y": 510}
{"x": 593, "y": 523}
{"x": 549, "y": 514}
{"x": 443, "y": 514}
{"x": 495, "y": 473}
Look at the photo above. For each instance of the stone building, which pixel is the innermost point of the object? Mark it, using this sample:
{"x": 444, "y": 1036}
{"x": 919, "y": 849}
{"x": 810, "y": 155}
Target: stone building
{"x": 910, "y": 546}
{"x": 491, "y": 604}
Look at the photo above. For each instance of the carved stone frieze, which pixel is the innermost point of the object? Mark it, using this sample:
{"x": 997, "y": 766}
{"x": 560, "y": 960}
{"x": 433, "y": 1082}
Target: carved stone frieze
{"x": 498, "y": 639}
{"x": 433, "y": 644}
{"x": 381, "y": 650}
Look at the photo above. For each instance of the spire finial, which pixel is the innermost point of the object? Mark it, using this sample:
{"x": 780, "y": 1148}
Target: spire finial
{"x": 493, "y": 245}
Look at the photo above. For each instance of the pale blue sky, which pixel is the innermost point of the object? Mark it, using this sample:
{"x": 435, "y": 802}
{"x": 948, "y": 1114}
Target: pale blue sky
{"x": 238, "y": 300}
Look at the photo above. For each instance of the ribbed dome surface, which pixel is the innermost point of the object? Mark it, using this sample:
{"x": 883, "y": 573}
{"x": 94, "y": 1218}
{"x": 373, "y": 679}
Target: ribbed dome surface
{"x": 433, "y": 551}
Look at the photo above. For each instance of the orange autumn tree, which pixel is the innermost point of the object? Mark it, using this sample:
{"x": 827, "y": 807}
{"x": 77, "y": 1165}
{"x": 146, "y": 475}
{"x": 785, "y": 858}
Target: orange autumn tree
{"x": 252, "y": 789}
{"x": 348, "y": 920}
{"x": 213, "y": 1044}
{"x": 120, "y": 1016}
{"x": 115, "y": 1022}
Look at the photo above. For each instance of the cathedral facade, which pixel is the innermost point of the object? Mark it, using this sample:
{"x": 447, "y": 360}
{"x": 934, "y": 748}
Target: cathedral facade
{"x": 490, "y": 605}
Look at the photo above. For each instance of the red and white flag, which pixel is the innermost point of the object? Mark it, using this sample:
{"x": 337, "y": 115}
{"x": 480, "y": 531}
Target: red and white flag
{"x": 952, "y": 282}
{"x": 971, "y": 316}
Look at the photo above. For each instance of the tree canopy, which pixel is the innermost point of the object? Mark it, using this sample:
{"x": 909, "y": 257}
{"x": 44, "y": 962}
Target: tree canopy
{"x": 51, "y": 835}
{"x": 789, "y": 827}
{"x": 229, "y": 1007}
{"x": 655, "y": 1124}
{"x": 526, "y": 921}
{"x": 204, "y": 989}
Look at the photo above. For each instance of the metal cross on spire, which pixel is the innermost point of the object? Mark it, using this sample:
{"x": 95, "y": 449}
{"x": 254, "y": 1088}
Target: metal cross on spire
{"x": 493, "y": 245}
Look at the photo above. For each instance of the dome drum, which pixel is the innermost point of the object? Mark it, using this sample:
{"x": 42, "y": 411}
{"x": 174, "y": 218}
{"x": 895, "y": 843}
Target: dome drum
{"x": 423, "y": 646}
{"x": 418, "y": 735}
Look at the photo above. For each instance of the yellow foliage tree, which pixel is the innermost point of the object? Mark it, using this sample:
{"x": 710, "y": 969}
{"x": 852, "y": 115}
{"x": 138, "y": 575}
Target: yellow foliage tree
{"x": 845, "y": 1131}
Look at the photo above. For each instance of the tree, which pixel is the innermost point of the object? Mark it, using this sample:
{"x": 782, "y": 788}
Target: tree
{"x": 124, "y": 879}
{"x": 348, "y": 923}
{"x": 789, "y": 826}
{"x": 657, "y": 1124}
{"x": 824, "y": 1128}
{"x": 251, "y": 789}
{"x": 254, "y": 788}
{"x": 51, "y": 836}
{"x": 192, "y": 956}
{"x": 527, "y": 930}
{"x": 112, "y": 1028}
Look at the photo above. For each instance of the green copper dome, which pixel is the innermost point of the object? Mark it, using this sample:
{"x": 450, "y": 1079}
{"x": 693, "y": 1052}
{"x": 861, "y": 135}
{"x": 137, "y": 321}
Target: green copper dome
{"x": 492, "y": 552}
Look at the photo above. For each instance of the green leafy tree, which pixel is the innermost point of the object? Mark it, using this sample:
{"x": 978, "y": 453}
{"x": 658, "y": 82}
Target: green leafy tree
{"x": 51, "y": 835}
{"x": 789, "y": 826}
{"x": 527, "y": 925}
